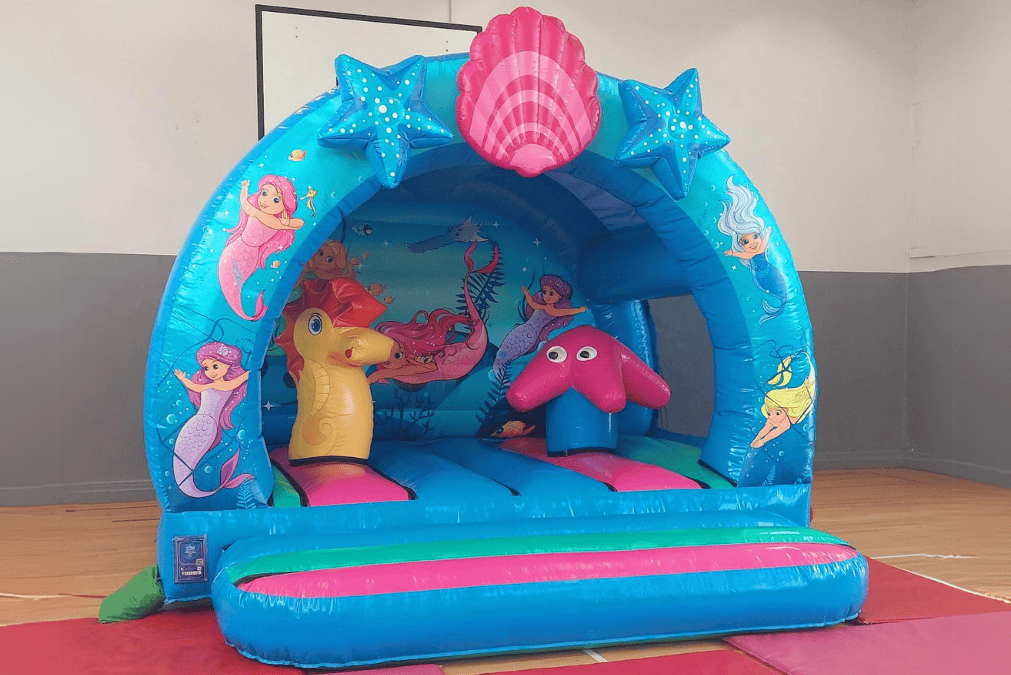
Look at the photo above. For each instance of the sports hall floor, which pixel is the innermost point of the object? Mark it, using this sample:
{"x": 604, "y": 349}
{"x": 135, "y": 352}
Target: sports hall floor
{"x": 58, "y": 562}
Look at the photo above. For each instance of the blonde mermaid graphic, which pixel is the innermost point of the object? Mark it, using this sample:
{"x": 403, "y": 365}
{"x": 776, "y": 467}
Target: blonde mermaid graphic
{"x": 785, "y": 406}
{"x": 265, "y": 227}
{"x": 215, "y": 390}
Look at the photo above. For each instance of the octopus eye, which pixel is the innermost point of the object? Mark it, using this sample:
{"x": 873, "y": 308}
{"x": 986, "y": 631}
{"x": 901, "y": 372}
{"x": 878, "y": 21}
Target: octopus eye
{"x": 329, "y": 258}
{"x": 556, "y": 354}
{"x": 315, "y": 324}
{"x": 586, "y": 354}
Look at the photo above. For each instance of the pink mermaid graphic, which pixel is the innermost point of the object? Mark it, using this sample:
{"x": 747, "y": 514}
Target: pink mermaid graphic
{"x": 215, "y": 390}
{"x": 265, "y": 227}
{"x": 545, "y": 312}
{"x": 429, "y": 348}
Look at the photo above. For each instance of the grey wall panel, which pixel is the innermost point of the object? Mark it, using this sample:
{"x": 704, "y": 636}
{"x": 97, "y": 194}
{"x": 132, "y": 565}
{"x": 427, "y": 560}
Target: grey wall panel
{"x": 859, "y": 341}
{"x": 930, "y": 339}
{"x": 981, "y": 371}
{"x": 959, "y": 372}
{"x": 76, "y": 329}
{"x": 74, "y": 340}
{"x": 859, "y": 325}
{"x": 686, "y": 362}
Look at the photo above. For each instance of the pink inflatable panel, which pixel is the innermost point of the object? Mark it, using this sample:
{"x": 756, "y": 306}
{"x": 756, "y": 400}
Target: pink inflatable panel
{"x": 329, "y": 483}
{"x": 622, "y": 474}
{"x": 975, "y": 643}
{"x": 430, "y": 575}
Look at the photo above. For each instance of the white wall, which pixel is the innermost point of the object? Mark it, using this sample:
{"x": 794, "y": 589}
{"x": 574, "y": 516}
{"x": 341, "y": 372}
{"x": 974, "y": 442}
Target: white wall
{"x": 962, "y": 87}
{"x": 298, "y": 53}
{"x": 128, "y": 114}
{"x": 815, "y": 95}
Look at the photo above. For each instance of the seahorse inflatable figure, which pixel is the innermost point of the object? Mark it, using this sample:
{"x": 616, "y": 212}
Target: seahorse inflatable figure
{"x": 327, "y": 343}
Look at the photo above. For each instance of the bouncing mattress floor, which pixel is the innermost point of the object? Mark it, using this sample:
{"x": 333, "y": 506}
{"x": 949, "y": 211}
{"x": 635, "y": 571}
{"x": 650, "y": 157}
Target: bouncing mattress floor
{"x": 500, "y": 548}
{"x": 538, "y": 583}
{"x": 470, "y": 468}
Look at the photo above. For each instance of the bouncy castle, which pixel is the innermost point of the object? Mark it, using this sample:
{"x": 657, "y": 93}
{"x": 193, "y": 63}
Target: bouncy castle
{"x": 402, "y": 392}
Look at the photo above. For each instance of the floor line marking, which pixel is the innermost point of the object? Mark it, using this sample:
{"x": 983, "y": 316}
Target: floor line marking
{"x": 925, "y": 555}
{"x": 959, "y": 588}
{"x": 595, "y": 656}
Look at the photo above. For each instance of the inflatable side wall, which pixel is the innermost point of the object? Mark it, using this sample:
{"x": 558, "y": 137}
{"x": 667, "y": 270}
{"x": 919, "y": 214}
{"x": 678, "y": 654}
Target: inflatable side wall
{"x": 719, "y": 242}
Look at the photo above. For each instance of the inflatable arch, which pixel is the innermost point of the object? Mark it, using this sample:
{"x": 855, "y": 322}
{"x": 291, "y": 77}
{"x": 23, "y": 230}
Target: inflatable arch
{"x": 457, "y": 182}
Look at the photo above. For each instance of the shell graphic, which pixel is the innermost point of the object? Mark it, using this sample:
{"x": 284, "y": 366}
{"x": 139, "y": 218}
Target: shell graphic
{"x": 528, "y": 101}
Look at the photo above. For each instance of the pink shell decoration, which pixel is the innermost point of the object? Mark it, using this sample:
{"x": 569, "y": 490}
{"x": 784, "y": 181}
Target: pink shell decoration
{"x": 528, "y": 101}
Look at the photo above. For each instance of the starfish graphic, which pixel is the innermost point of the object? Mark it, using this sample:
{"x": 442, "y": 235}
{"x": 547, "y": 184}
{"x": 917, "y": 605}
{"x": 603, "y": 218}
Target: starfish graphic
{"x": 667, "y": 131}
{"x": 383, "y": 111}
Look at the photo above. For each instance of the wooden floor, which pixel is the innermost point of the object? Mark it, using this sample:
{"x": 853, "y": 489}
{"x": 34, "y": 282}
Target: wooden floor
{"x": 58, "y": 562}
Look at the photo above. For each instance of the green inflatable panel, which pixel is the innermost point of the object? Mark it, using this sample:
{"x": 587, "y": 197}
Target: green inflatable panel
{"x": 285, "y": 495}
{"x": 677, "y": 457}
{"x": 139, "y": 597}
{"x": 303, "y": 561}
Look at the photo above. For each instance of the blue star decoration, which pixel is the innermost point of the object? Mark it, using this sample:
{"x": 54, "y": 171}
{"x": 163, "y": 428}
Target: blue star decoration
{"x": 667, "y": 130}
{"x": 383, "y": 111}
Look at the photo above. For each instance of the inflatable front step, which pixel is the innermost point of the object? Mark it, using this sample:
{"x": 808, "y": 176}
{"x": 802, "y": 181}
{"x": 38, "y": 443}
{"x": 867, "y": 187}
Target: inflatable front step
{"x": 440, "y": 591}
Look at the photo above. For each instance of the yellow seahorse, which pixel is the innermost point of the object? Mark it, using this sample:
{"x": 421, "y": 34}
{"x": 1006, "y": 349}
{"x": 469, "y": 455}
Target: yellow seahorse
{"x": 327, "y": 343}
{"x": 334, "y": 402}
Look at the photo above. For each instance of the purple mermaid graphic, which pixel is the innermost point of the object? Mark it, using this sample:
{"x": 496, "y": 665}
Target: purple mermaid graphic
{"x": 547, "y": 311}
{"x": 265, "y": 227}
{"x": 215, "y": 390}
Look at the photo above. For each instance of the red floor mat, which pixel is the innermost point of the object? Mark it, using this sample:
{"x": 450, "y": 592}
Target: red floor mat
{"x": 897, "y": 595}
{"x": 725, "y": 662}
{"x": 178, "y": 642}
{"x": 950, "y": 645}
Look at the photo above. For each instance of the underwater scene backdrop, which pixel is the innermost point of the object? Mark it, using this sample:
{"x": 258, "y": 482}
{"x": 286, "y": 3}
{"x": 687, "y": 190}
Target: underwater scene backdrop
{"x": 469, "y": 298}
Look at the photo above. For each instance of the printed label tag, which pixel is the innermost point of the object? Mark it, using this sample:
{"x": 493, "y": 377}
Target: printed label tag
{"x": 191, "y": 559}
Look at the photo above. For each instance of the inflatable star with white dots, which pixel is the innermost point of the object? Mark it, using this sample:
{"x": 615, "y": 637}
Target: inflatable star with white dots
{"x": 667, "y": 131}
{"x": 383, "y": 111}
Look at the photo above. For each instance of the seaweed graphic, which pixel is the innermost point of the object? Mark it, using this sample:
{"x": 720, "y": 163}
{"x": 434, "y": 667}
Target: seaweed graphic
{"x": 246, "y": 495}
{"x": 483, "y": 289}
{"x": 495, "y": 411}
{"x": 409, "y": 418}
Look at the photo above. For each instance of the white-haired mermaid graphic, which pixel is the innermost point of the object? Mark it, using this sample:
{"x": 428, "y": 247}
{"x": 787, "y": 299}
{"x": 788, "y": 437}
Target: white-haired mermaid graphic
{"x": 749, "y": 241}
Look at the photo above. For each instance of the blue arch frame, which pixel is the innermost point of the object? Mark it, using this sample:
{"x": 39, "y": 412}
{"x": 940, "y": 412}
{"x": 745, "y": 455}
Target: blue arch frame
{"x": 747, "y": 352}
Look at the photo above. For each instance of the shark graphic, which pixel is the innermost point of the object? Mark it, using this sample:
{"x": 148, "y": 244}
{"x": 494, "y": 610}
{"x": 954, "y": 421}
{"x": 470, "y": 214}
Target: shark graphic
{"x": 466, "y": 232}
